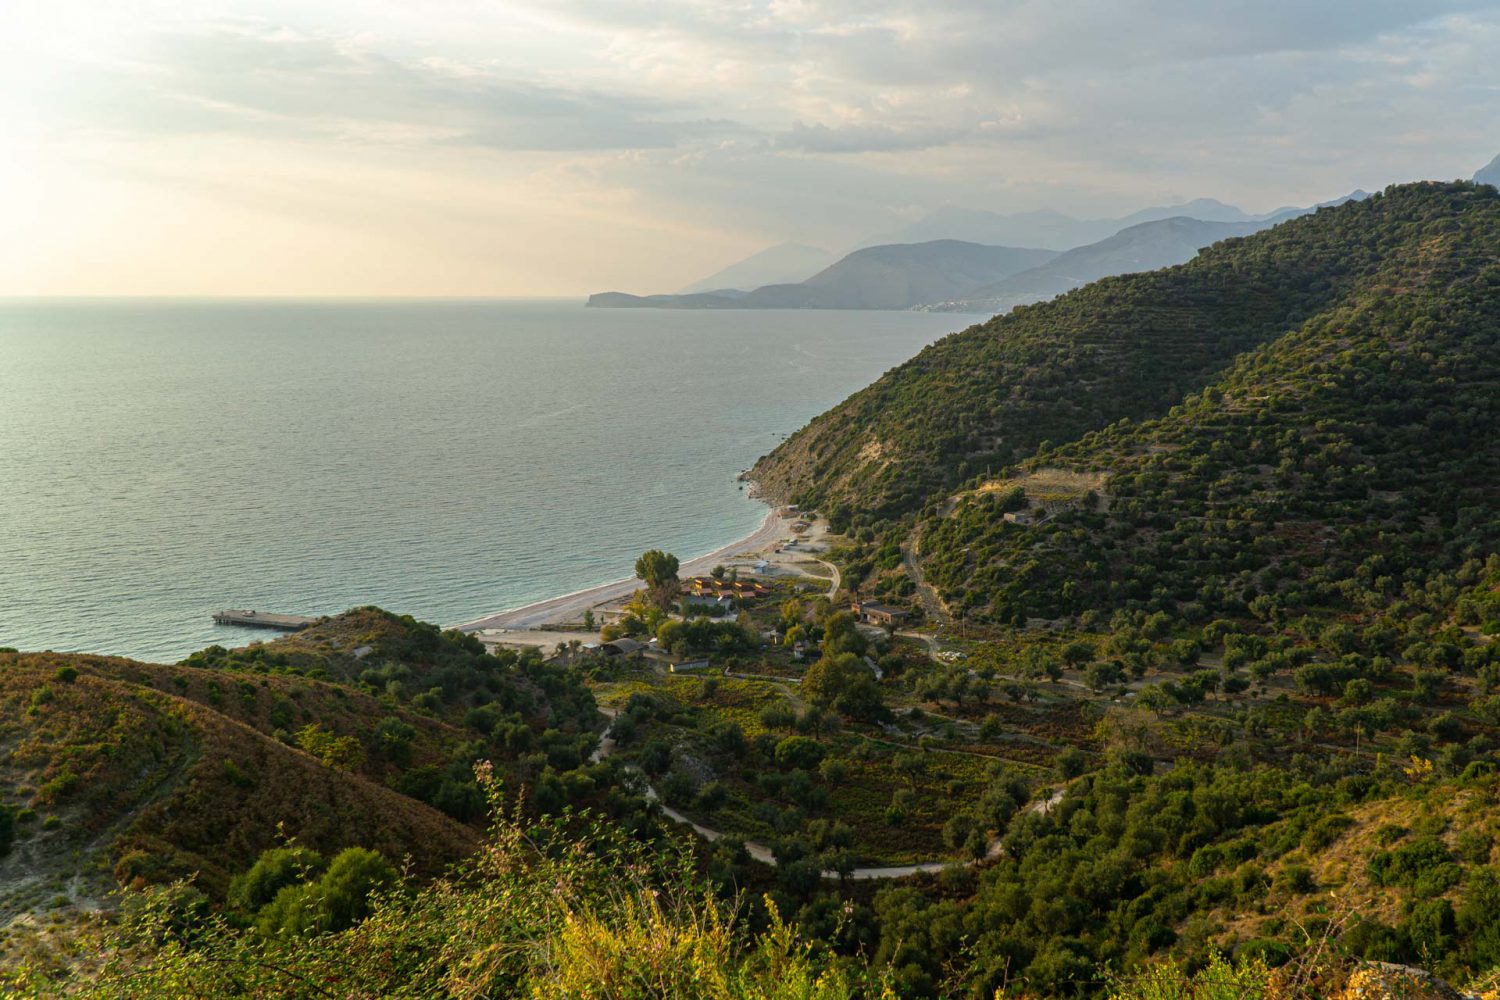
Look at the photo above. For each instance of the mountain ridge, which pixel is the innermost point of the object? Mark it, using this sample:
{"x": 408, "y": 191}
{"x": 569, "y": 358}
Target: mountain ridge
{"x": 784, "y": 263}
{"x": 898, "y": 276}
{"x": 1046, "y": 228}
{"x": 916, "y": 275}
{"x": 1145, "y": 246}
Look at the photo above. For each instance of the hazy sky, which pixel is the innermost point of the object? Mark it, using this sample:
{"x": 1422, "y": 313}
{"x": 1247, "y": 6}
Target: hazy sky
{"x": 446, "y": 147}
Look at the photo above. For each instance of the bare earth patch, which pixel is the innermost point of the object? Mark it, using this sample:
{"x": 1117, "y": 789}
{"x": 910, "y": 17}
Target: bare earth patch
{"x": 1051, "y": 484}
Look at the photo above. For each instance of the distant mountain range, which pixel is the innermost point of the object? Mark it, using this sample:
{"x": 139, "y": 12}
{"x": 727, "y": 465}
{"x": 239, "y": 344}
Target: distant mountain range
{"x": 974, "y": 264}
{"x": 901, "y": 276}
{"x": 1143, "y": 247}
{"x": 1049, "y": 229}
{"x": 783, "y": 264}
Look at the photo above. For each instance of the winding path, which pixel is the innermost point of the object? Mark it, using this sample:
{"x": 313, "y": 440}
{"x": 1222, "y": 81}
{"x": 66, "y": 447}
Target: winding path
{"x": 835, "y": 581}
{"x": 932, "y": 604}
{"x": 763, "y": 854}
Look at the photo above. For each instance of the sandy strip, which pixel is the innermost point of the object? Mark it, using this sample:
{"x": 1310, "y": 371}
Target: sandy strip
{"x": 570, "y": 607}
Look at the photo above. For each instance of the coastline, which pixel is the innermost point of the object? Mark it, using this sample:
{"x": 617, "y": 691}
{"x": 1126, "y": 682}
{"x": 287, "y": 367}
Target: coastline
{"x": 568, "y": 607}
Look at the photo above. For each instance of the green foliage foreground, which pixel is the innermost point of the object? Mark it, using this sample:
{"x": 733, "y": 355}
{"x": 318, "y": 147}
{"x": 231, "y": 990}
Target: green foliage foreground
{"x": 543, "y": 911}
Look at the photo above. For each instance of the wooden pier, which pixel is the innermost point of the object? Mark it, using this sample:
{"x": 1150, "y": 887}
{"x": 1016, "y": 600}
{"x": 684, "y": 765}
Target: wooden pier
{"x": 262, "y": 619}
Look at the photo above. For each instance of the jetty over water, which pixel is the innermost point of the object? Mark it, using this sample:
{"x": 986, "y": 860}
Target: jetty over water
{"x": 262, "y": 619}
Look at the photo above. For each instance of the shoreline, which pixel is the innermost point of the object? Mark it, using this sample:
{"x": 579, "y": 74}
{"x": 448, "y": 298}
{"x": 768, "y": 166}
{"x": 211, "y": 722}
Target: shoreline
{"x": 566, "y": 607}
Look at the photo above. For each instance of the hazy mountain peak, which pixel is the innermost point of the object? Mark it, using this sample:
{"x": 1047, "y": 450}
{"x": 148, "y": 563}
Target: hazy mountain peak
{"x": 1489, "y": 174}
{"x": 784, "y": 263}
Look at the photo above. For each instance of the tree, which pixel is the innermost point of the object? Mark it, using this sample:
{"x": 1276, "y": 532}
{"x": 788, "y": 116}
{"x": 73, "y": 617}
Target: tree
{"x": 910, "y": 766}
{"x": 1071, "y": 762}
{"x": 843, "y": 681}
{"x": 798, "y": 752}
{"x": 992, "y": 728}
{"x": 343, "y": 753}
{"x": 1101, "y": 675}
{"x": 658, "y": 570}
{"x": 841, "y": 634}
{"x": 1078, "y": 651}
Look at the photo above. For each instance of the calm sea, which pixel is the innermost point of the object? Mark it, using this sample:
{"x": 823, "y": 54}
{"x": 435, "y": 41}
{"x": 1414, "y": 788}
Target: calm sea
{"x": 162, "y": 460}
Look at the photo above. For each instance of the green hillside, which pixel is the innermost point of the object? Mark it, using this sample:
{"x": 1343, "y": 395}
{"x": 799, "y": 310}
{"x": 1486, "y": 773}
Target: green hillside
{"x": 109, "y": 781}
{"x": 361, "y": 731}
{"x": 1128, "y": 347}
{"x": 1326, "y": 470}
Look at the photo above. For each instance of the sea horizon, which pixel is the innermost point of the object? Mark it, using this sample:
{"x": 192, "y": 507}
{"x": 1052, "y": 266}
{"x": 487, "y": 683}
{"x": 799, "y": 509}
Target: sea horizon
{"x": 277, "y": 471}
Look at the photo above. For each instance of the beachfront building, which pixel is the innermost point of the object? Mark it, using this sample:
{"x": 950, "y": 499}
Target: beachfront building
{"x": 708, "y": 602}
{"x": 707, "y": 586}
{"x": 623, "y": 647}
{"x": 688, "y": 666}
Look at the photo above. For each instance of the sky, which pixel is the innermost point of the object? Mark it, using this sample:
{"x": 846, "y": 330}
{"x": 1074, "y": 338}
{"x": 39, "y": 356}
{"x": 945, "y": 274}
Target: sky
{"x": 559, "y": 147}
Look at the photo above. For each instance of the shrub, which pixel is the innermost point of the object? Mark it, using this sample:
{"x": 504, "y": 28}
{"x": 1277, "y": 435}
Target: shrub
{"x": 335, "y": 902}
{"x": 1247, "y": 976}
{"x": 41, "y": 696}
{"x": 342, "y": 753}
{"x": 798, "y": 752}
{"x": 273, "y": 871}
{"x": 1423, "y": 865}
{"x": 235, "y": 775}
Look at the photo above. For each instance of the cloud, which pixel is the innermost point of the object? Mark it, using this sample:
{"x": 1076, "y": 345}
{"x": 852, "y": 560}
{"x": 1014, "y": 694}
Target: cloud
{"x": 252, "y": 79}
{"x": 730, "y": 124}
{"x": 803, "y": 137}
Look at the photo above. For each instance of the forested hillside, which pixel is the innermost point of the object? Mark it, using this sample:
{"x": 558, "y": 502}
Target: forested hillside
{"x": 1327, "y": 470}
{"x": 1126, "y": 347}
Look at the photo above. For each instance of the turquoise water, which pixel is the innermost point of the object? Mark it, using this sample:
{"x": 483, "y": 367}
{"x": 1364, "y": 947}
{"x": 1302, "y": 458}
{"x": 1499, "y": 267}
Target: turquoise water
{"x": 162, "y": 460}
